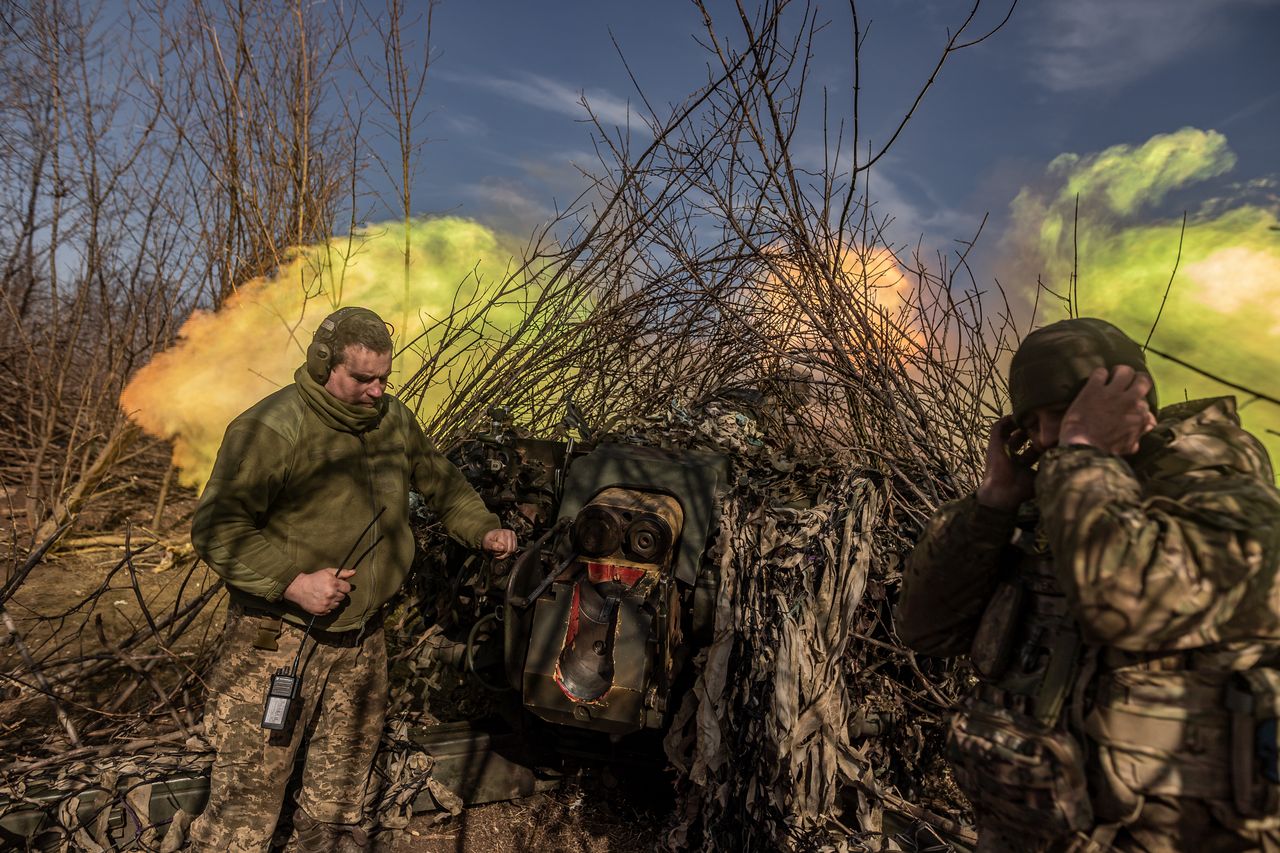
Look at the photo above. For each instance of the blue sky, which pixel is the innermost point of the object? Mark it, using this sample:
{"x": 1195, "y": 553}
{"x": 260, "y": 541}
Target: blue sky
{"x": 1070, "y": 98}
{"x": 505, "y": 130}
{"x": 1136, "y": 110}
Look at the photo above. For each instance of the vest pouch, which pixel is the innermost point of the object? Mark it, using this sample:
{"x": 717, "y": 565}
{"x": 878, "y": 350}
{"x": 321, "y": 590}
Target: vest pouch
{"x": 1023, "y": 777}
{"x": 1164, "y": 733}
{"x": 993, "y": 642}
{"x": 1253, "y": 698}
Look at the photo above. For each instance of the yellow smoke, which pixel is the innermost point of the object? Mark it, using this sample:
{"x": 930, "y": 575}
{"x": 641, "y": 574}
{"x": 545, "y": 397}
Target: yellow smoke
{"x": 795, "y": 308}
{"x": 1223, "y": 310}
{"x": 224, "y": 362}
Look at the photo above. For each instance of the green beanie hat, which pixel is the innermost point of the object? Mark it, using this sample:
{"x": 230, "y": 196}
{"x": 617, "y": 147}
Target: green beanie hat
{"x": 1053, "y": 363}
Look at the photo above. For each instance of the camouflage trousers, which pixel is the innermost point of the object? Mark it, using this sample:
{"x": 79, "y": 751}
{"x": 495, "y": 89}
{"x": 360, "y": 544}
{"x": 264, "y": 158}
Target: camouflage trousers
{"x": 339, "y": 716}
{"x": 1165, "y": 825}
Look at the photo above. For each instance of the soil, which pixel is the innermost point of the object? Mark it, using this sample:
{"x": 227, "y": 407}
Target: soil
{"x": 567, "y": 819}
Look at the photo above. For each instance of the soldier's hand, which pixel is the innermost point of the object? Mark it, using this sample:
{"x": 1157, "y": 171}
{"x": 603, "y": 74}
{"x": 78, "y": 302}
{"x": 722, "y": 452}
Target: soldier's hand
{"x": 1111, "y": 411}
{"x": 499, "y": 543}
{"x": 320, "y": 592}
{"x": 1006, "y": 483}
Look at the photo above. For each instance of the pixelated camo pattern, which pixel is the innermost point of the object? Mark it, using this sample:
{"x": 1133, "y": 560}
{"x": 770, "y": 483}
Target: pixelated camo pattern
{"x": 342, "y": 707}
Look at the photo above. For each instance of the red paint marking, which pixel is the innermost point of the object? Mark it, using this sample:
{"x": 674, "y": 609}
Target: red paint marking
{"x": 601, "y": 572}
{"x": 571, "y": 633}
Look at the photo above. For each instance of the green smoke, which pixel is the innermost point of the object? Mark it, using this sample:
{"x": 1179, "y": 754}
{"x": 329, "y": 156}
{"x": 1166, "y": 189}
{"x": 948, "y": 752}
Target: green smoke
{"x": 224, "y": 362}
{"x": 1223, "y": 309}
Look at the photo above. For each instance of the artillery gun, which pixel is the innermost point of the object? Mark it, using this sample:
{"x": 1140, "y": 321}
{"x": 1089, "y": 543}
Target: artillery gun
{"x": 587, "y": 637}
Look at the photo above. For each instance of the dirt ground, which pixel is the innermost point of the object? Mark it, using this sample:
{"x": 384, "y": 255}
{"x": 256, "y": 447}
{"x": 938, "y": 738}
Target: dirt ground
{"x": 556, "y": 821}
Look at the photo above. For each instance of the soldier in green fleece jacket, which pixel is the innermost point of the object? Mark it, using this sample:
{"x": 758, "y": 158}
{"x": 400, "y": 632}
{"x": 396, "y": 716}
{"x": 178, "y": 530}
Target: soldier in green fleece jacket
{"x": 306, "y": 517}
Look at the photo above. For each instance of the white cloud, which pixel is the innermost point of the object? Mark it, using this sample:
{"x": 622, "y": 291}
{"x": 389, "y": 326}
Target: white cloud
{"x": 507, "y": 205}
{"x": 461, "y": 124}
{"x": 1092, "y": 44}
{"x": 916, "y": 210}
{"x": 548, "y": 94}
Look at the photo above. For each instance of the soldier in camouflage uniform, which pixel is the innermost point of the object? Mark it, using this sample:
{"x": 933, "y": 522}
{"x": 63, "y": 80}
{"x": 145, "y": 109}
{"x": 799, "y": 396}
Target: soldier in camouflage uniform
{"x": 306, "y": 517}
{"x": 1119, "y": 602}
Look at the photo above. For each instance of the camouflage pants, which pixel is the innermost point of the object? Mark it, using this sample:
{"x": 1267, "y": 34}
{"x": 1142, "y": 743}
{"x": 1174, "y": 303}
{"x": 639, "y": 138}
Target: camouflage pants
{"x": 1165, "y": 825}
{"x": 339, "y": 716}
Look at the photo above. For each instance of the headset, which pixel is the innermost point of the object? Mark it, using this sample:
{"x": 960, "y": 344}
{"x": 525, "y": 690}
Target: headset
{"x": 320, "y": 351}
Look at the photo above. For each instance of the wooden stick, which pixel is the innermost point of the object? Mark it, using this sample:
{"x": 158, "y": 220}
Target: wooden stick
{"x": 67, "y": 509}
{"x": 892, "y": 801}
{"x": 93, "y": 751}
{"x": 158, "y": 515}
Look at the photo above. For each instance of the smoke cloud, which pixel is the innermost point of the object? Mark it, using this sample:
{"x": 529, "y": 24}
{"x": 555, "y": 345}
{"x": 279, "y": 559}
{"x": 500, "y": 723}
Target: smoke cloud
{"x": 226, "y": 361}
{"x": 1223, "y": 309}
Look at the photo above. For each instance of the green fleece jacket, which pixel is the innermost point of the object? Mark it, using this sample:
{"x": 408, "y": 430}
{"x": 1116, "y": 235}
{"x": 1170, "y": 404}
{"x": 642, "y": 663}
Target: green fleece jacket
{"x": 300, "y": 476}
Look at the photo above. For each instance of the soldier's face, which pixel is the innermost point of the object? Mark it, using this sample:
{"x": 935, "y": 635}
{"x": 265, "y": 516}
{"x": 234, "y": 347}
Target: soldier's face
{"x": 1043, "y": 426}
{"x": 361, "y": 378}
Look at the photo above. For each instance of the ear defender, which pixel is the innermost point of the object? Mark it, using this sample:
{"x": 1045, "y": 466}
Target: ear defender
{"x": 320, "y": 351}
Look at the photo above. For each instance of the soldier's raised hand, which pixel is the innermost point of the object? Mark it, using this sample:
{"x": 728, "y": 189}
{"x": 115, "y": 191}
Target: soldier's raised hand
{"x": 1006, "y": 482}
{"x": 1111, "y": 411}
{"x": 321, "y": 592}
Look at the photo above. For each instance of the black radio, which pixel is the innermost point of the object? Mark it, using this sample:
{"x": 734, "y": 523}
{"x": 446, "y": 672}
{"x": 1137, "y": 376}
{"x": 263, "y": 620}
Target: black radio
{"x": 281, "y": 693}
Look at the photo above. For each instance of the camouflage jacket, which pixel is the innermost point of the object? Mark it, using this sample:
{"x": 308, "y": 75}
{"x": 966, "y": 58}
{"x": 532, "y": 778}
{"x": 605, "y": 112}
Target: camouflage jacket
{"x": 1172, "y": 549}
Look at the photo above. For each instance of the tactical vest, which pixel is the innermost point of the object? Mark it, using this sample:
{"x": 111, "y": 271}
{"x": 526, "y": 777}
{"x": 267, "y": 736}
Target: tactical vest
{"x": 1060, "y": 738}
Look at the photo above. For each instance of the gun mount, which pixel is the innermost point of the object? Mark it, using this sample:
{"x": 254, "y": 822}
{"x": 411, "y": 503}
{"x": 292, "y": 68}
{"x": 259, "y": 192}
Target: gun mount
{"x": 600, "y": 613}
{"x": 599, "y": 618}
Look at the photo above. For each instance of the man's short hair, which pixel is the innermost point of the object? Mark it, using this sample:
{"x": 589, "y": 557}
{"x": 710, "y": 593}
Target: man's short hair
{"x": 365, "y": 329}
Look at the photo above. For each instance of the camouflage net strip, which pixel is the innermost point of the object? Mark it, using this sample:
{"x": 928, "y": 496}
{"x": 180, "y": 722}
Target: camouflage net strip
{"x": 767, "y": 725}
{"x": 764, "y": 742}
{"x": 84, "y": 793}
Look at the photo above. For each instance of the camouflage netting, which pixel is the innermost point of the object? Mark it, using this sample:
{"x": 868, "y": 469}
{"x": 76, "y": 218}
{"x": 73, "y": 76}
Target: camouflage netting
{"x": 82, "y": 795}
{"x": 772, "y": 744}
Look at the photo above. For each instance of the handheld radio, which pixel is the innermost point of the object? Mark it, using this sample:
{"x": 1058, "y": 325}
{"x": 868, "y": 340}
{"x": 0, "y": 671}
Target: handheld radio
{"x": 280, "y": 695}
{"x": 283, "y": 689}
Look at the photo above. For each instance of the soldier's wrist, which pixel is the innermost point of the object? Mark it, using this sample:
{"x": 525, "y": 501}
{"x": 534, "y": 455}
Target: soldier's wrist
{"x": 997, "y": 499}
{"x": 993, "y": 523}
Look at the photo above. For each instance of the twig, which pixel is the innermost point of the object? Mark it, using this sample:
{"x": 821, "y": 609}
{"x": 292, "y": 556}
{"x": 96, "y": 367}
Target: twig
{"x": 162, "y": 498}
{"x": 1215, "y": 377}
{"x": 67, "y": 725}
{"x": 33, "y": 559}
{"x": 94, "y": 752}
{"x": 1168, "y": 287}
{"x": 139, "y": 670}
{"x": 133, "y": 582}
{"x": 1073, "y": 291}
